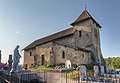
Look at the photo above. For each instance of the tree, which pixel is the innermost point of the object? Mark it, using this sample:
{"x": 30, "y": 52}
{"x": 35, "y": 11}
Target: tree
{"x": 111, "y": 61}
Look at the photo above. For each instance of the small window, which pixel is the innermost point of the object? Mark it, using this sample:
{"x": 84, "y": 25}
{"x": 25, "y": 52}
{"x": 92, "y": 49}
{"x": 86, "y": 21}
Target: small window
{"x": 80, "y": 33}
{"x": 82, "y": 55}
{"x": 63, "y": 54}
{"x": 30, "y": 53}
{"x": 95, "y": 31}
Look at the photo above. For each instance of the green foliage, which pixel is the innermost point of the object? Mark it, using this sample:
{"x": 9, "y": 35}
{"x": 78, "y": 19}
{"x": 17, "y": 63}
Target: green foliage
{"x": 90, "y": 73}
{"x": 74, "y": 66}
{"x": 89, "y": 66}
{"x": 48, "y": 65}
{"x": 43, "y": 68}
{"x": 113, "y": 61}
{"x": 71, "y": 75}
{"x": 20, "y": 66}
{"x": 32, "y": 66}
{"x": 61, "y": 65}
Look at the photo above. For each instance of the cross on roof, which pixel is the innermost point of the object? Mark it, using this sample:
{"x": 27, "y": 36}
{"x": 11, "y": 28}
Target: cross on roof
{"x": 85, "y": 6}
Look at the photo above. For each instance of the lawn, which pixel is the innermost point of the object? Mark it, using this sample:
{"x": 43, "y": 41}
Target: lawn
{"x": 43, "y": 68}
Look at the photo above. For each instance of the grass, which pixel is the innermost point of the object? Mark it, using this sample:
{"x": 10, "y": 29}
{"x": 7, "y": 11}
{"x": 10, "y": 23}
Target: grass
{"x": 90, "y": 73}
{"x": 118, "y": 69}
{"x": 43, "y": 68}
{"x": 71, "y": 75}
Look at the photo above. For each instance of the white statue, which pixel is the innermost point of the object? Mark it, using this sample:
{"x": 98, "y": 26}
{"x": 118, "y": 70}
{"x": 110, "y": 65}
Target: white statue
{"x": 16, "y": 58}
{"x": 68, "y": 64}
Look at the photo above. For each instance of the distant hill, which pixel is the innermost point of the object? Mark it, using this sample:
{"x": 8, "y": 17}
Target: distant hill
{"x": 113, "y": 61}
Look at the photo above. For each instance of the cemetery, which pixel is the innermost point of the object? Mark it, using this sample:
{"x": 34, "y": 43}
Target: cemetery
{"x": 61, "y": 73}
{"x": 69, "y": 56}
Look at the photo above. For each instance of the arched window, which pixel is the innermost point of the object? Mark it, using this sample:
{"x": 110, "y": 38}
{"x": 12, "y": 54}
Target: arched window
{"x": 63, "y": 54}
{"x": 80, "y": 33}
{"x": 30, "y": 53}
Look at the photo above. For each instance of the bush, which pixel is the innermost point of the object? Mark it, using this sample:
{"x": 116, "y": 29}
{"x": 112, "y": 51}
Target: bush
{"x": 74, "y": 66}
{"x": 89, "y": 66}
{"x": 32, "y": 66}
{"x": 61, "y": 65}
{"x": 48, "y": 65}
{"x": 43, "y": 68}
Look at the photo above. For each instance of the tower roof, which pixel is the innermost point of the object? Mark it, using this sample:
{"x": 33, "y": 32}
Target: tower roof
{"x": 84, "y": 16}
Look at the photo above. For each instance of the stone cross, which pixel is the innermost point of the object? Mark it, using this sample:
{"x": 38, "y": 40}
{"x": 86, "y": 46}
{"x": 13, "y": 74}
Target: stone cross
{"x": 10, "y": 63}
{"x": 68, "y": 64}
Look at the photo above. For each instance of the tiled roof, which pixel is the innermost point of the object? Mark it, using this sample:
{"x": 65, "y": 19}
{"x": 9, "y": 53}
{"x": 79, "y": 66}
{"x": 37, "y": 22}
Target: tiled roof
{"x": 50, "y": 38}
{"x": 84, "y": 16}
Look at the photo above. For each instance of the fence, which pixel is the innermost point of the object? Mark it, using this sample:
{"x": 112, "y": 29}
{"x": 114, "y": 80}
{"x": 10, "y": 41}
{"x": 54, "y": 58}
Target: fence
{"x": 54, "y": 77}
{"x": 4, "y": 78}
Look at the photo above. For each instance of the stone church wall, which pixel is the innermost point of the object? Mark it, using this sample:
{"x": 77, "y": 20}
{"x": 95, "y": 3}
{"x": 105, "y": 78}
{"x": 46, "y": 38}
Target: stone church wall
{"x": 76, "y": 40}
{"x": 67, "y": 41}
{"x": 29, "y": 57}
{"x": 46, "y": 50}
{"x": 75, "y": 56}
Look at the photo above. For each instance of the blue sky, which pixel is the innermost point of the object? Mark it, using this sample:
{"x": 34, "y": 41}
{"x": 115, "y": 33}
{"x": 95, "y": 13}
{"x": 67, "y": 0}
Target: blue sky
{"x": 23, "y": 21}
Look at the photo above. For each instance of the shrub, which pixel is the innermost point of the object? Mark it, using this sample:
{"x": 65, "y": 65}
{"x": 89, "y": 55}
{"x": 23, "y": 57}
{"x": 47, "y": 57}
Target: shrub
{"x": 32, "y": 65}
{"x": 61, "y": 65}
{"x": 43, "y": 68}
{"x": 48, "y": 65}
{"x": 74, "y": 66}
{"x": 89, "y": 66}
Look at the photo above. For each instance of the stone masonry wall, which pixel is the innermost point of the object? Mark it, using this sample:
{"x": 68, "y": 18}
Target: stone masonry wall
{"x": 75, "y": 56}
{"x": 29, "y": 59}
{"x": 52, "y": 50}
{"x": 46, "y": 50}
{"x": 75, "y": 40}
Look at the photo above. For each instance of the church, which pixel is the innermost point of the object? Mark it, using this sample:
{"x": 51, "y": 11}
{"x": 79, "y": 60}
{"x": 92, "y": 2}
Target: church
{"x": 80, "y": 44}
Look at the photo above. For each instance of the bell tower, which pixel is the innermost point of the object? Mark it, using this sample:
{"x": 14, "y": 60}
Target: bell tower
{"x": 90, "y": 31}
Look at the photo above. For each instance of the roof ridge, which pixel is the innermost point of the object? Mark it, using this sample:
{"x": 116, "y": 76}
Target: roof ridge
{"x": 51, "y": 37}
{"x": 84, "y": 16}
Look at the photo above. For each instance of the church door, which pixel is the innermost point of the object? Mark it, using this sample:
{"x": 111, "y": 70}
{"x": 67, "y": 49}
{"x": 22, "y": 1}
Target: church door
{"x": 43, "y": 60}
{"x": 35, "y": 60}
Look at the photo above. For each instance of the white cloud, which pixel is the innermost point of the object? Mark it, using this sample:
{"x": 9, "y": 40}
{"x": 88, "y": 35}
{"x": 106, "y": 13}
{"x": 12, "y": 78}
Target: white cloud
{"x": 17, "y": 32}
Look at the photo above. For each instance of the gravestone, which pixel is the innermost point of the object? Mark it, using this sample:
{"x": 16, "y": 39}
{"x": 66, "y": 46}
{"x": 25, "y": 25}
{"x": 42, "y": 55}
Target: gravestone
{"x": 107, "y": 69}
{"x": 82, "y": 70}
{"x": 68, "y": 64}
{"x": 96, "y": 70}
{"x": 114, "y": 68}
{"x": 102, "y": 70}
{"x": 10, "y": 63}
